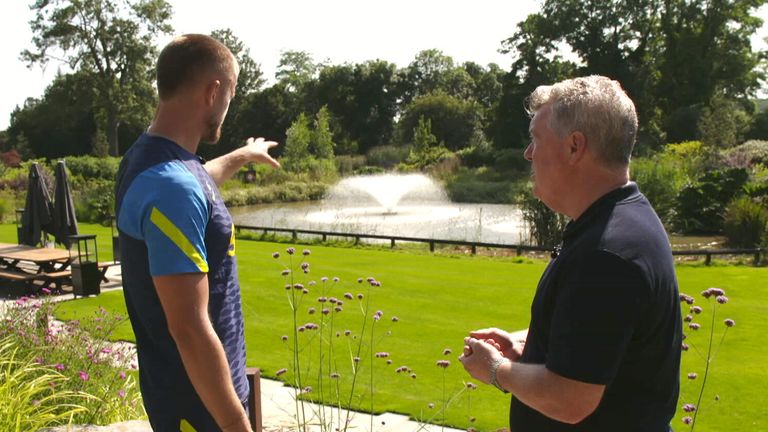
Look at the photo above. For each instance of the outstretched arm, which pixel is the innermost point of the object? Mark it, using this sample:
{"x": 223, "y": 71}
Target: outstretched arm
{"x": 256, "y": 150}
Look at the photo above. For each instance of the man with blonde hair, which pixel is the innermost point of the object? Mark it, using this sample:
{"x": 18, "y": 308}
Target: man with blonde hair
{"x": 177, "y": 243}
{"x": 602, "y": 351}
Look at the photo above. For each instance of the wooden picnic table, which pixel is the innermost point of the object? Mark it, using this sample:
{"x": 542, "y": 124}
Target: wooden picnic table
{"x": 43, "y": 260}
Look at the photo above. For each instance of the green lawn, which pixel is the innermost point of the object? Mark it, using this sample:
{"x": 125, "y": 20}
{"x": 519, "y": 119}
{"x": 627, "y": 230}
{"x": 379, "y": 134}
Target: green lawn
{"x": 439, "y": 298}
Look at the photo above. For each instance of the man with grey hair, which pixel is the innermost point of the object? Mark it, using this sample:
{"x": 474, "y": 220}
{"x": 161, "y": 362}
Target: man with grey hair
{"x": 602, "y": 351}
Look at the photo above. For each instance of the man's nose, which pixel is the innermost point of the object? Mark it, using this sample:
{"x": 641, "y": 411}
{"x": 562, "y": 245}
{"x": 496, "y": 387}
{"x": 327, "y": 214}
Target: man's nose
{"x": 528, "y": 154}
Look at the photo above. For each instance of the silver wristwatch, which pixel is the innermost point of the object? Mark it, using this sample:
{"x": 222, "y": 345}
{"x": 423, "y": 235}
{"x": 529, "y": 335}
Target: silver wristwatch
{"x": 494, "y": 367}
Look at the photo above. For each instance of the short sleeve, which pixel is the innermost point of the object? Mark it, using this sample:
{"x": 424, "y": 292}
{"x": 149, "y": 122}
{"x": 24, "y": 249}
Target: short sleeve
{"x": 166, "y": 208}
{"x": 594, "y": 319}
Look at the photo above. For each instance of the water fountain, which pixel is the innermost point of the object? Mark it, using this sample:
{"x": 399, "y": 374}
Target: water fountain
{"x": 408, "y": 205}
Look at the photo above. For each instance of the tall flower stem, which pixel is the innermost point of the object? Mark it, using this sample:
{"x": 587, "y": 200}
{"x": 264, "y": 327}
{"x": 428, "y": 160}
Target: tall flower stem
{"x": 706, "y": 367}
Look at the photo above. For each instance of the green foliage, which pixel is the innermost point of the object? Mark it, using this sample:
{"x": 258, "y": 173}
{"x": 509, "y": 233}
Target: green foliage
{"x": 321, "y": 144}
{"x": 91, "y": 167}
{"x": 289, "y": 191}
{"x": 545, "y": 227}
{"x": 387, "y": 156}
{"x": 95, "y": 200}
{"x": 111, "y": 43}
{"x": 702, "y": 203}
{"x": 27, "y": 389}
{"x": 749, "y": 153}
{"x": 660, "y": 179}
{"x": 723, "y": 123}
{"x": 348, "y": 164}
{"x": 77, "y": 375}
{"x": 453, "y": 120}
{"x": 745, "y": 223}
{"x": 297, "y": 142}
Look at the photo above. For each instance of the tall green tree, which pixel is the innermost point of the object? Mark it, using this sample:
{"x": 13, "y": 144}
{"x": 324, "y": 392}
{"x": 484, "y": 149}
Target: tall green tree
{"x": 110, "y": 40}
{"x": 297, "y": 140}
{"x": 321, "y": 144}
{"x": 452, "y": 120}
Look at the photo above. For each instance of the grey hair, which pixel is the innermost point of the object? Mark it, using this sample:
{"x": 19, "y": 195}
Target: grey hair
{"x": 597, "y": 107}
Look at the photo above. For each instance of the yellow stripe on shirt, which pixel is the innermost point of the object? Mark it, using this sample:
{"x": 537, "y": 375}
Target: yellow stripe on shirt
{"x": 178, "y": 238}
{"x": 184, "y": 426}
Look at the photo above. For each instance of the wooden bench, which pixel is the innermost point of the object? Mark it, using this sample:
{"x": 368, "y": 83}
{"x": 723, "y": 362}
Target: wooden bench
{"x": 17, "y": 282}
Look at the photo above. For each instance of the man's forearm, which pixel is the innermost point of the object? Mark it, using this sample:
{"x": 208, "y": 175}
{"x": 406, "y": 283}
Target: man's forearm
{"x": 559, "y": 398}
{"x": 224, "y": 167}
{"x": 208, "y": 370}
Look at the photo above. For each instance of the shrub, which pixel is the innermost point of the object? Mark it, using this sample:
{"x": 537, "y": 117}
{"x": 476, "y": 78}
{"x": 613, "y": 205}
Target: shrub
{"x": 348, "y": 164}
{"x": 745, "y": 223}
{"x": 387, "y": 156}
{"x": 92, "y": 167}
{"x": 661, "y": 182}
{"x": 477, "y": 191}
{"x": 701, "y": 204}
{"x": 94, "y": 200}
{"x": 545, "y": 227}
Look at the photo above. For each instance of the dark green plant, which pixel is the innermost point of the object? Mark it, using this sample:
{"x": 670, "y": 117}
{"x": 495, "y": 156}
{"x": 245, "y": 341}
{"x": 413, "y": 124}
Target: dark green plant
{"x": 660, "y": 181}
{"x": 545, "y": 227}
{"x": 701, "y": 204}
{"x": 745, "y": 223}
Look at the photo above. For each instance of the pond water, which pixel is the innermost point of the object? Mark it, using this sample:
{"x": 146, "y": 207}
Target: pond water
{"x": 488, "y": 223}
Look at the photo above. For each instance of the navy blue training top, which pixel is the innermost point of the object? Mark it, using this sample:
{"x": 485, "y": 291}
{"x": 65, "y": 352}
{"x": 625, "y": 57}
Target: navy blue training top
{"x": 607, "y": 311}
{"x": 172, "y": 220}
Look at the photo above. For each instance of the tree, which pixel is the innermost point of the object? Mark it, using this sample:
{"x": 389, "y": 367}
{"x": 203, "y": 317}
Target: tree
{"x": 296, "y": 69}
{"x": 297, "y": 142}
{"x": 363, "y": 102}
{"x": 452, "y": 120}
{"x": 61, "y": 123}
{"x": 321, "y": 144}
{"x": 112, "y": 42}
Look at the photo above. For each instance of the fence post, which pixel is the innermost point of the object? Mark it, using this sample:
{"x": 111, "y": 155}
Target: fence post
{"x": 357, "y": 240}
{"x": 325, "y": 236}
{"x": 392, "y": 243}
{"x": 757, "y": 257}
{"x": 293, "y": 235}
{"x": 474, "y": 249}
{"x": 431, "y": 246}
{"x": 708, "y": 260}
{"x": 254, "y": 397}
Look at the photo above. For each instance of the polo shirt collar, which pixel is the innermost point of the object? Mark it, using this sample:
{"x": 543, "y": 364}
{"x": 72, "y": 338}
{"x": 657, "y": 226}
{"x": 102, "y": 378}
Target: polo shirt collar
{"x": 597, "y": 208}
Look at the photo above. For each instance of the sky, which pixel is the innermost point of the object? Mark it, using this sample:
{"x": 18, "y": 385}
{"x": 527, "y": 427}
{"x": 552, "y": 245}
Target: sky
{"x": 338, "y": 31}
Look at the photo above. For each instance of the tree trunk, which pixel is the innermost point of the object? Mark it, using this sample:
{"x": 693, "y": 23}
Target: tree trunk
{"x": 112, "y": 124}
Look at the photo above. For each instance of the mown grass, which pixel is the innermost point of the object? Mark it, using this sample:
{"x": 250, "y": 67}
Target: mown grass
{"x": 439, "y": 298}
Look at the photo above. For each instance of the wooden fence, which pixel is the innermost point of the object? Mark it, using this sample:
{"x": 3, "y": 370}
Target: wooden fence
{"x": 519, "y": 249}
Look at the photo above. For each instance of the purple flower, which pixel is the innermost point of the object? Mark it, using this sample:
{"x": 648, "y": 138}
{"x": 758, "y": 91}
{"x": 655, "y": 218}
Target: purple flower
{"x": 382, "y": 354}
{"x": 121, "y": 393}
{"x": 694, "y": 326}
{"x": 447, "y": 351}
{"x": 370, "y": 279}
{"x": 45, "y": 291}
{"x": 122, "y": 375}
{"x": 305, "y": 291}
{"x": 281, "y": 371}
{"x": 275, "y": 255}
{"x": 286, "y": 272}
{"x": 338, "y": 308}
{"x": 471, "y": 386}
{"x": 334, "y": 375}
{"x": 59, "y": 367}
{"x": 84, "y": 375}
{"x": 688, "y": 318}
{"x": 360, "y": 296}
{"x": 336, "y": 279}
{"x": 333, "y": 300}
{"x": 716, "y": 292}
{"x": 106, "y": 351}
{"x": 395, "y": 319}
{"x": 305, "y": 252}
{"x": 692, "y": 375}
{"x": 287, "y": 287}
{"x": 687, "y": 420}
{"x": 290, "y": 251}
{"x": 324, "y": 279}
{"x": 413, "y": 375}
{"x": 284, "y": 338}
{"x": 689, "y": 407}
{"x": 430, "y": 405}
{"x": 301, "y": 329}
{"x": 305, "y": 266}
{"x": 356, "y": 359}
{"x": 322, "y": 299}
{"x": 684, "y": 347}
{"x": 359, "y": 280}
{"x": 347, "y": 332}
{"x": 686, "y": 298}
{"x": 729, "y": 322}
{"x": 298, "y": 286}
{"x": 307, "y": 389}
{"x": 722, "y": 299}
{"x": 348, "y": 296}
{"x": 311, "y": 311}
{"x": 443, "y": 363}
{"x": 696, "y": 309}
{"x": 325, "y": 311}
{"x": 389, "y": 361}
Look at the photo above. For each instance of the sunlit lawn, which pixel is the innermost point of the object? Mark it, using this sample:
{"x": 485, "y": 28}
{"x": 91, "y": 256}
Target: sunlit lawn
{"x": 439, "y": 298}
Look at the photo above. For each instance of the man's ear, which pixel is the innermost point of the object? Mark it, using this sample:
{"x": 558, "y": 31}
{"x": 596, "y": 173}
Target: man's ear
{"x": 577, "y": 146}
{"x": 212, "y": 92}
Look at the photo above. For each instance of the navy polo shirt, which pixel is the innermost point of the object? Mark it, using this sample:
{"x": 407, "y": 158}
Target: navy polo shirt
{"x": 607, "y": 311}
{"x": 172, "y": 220}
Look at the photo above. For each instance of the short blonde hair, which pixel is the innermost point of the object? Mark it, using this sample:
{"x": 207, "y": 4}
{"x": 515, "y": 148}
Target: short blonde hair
{"x": 597, "y": 107}
{"x": 186, "y": 58}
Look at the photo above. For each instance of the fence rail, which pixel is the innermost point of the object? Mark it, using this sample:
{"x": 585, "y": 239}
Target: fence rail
{"x": 519, "y": 249}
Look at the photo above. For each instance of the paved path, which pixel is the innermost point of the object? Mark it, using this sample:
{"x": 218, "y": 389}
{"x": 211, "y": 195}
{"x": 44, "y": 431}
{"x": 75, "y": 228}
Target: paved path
{"x": 277, "y": 403}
